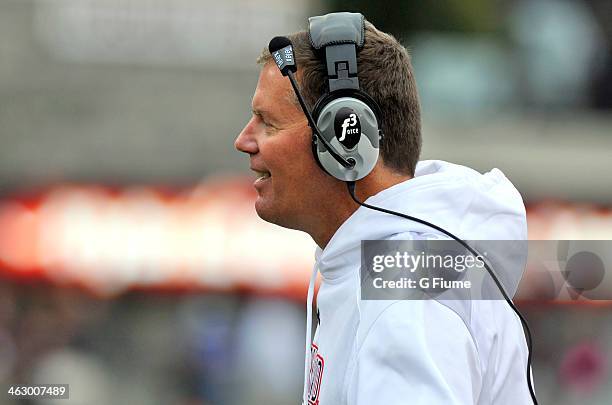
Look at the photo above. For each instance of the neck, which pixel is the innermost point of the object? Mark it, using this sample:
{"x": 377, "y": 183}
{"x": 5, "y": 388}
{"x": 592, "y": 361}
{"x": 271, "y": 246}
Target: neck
{"x": 333, "y": 209}
{"x": 342, "y": 205}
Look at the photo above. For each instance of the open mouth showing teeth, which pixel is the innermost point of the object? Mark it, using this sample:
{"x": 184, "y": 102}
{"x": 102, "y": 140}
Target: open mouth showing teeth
{"x": 262, "y": 175}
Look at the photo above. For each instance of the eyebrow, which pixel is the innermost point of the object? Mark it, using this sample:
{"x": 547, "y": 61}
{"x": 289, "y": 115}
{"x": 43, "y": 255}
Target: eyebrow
{"x": 261, "y": 113}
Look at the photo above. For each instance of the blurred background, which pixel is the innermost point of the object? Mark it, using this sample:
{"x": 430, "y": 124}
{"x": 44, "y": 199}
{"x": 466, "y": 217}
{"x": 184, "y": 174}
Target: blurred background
{"x": 132, "y": 264}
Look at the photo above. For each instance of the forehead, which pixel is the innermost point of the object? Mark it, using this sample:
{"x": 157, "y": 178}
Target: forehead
{"x": 273, "y": 90}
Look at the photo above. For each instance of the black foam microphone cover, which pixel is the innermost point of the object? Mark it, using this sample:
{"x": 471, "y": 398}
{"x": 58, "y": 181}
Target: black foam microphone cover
{"x": 281, "y": 50}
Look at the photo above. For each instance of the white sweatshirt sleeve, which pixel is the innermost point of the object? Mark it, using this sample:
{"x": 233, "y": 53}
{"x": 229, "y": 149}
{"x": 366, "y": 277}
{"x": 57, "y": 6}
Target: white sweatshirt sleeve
{"x": 415, "y": 352}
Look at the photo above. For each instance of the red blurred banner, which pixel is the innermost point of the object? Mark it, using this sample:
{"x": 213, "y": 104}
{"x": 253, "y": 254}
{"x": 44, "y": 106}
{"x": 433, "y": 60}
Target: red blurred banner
{"x": 208, "y": 237}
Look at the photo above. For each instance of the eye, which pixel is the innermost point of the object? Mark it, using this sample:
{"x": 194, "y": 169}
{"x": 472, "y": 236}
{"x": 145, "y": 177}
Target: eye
{"x": 269, "y": 127}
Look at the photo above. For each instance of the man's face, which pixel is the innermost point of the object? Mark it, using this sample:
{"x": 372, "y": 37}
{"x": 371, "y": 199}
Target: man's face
{"x": 277, "y": 139}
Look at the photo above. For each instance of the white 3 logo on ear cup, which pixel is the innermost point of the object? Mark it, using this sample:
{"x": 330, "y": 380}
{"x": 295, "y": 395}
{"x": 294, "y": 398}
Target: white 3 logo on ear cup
{"x": 350, "y": 121}
{"x": 347, "y": 127}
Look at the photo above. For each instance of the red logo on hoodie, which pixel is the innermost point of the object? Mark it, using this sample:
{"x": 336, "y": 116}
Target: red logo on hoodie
{"x": 315, "y": 376}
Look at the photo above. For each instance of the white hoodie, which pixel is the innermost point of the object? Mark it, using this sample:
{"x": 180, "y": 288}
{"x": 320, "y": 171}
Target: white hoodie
{"x": 418, "y": 351}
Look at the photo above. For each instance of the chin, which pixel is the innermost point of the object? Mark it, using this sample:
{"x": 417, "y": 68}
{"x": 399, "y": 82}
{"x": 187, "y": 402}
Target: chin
{"x": 267, "y": 211}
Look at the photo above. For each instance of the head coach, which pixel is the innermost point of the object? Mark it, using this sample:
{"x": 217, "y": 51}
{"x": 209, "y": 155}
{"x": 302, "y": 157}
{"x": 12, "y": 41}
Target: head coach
{"x": 334, "y": 140}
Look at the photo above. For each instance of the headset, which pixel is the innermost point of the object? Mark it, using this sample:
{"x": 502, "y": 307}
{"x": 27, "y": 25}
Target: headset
{"x": 346, "y": 121}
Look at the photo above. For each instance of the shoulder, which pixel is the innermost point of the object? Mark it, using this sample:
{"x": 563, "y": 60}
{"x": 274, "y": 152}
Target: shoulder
{"x": 420, "y": 349}
{"x": 424, "y": 322}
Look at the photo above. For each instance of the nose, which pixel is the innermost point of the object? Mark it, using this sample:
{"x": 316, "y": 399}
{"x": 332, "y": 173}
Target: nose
{"x": 245, "y": 141}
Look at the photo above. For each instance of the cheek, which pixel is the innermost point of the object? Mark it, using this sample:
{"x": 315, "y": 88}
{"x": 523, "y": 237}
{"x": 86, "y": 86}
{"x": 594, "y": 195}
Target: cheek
{"x": 291, "y": 155}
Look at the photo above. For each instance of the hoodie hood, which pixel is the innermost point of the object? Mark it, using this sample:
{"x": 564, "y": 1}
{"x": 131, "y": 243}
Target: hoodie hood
{"x": 471, "y": 205}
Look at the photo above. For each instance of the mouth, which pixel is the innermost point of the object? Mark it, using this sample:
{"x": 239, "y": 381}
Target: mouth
{"x": 261, "y": 175}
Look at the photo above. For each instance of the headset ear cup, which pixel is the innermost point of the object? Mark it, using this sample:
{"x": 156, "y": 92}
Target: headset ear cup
{"x": 351, "y": 127}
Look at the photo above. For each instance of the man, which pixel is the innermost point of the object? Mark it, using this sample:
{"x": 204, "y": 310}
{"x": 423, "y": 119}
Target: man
{"x": 384, "y": 352}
